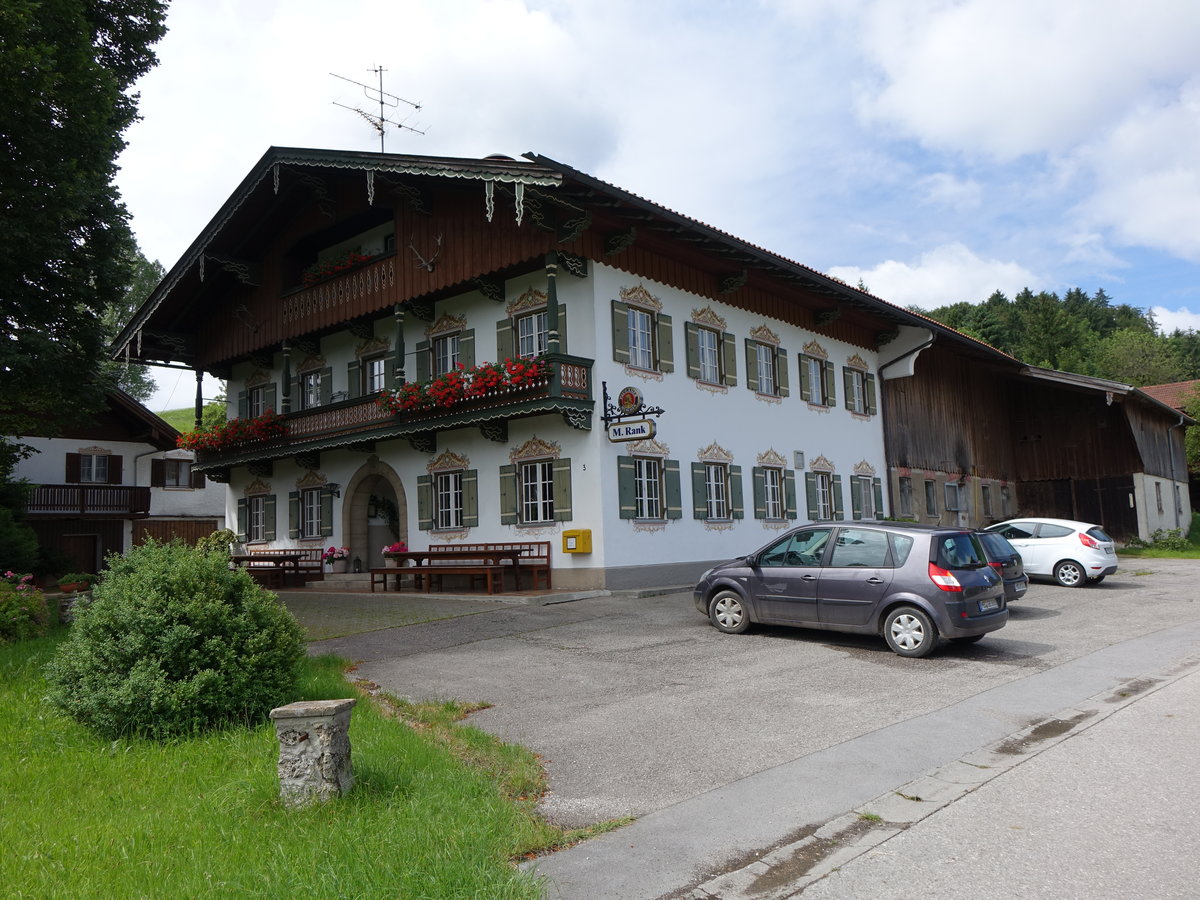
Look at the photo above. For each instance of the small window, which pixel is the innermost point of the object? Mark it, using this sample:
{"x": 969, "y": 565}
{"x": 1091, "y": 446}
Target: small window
{"x": 931, "y": 504}
{"x": 93, "y": 468}
{"x": 708, "y": 351}
{"x": 641, "y": 334}
{"x": 537, "y": 491}
{"x": 310, "y": 390}
{"x": 256, "y": 402}
{"x": 773, "y": 493}
{"x": 860, "y": 391}
{"x": 641, "y": 338}
{"x": 448, "y": 500}
{"x": 310, "y": 513}
{"x": 766, "y": 370}
{"x": 648, "y": 490}
{"x": 813, "y": 376}
{"x": 866, "y": 491}
{"x": 177, "y": 473}
{"x": 716, "y": 490}
{"x": 906, "y": 496}
{"x": 256, "y": 524}
{"x": 373, "y": 375}
{"x": 824, "y": 496}
{"x": 953, "y": 497}
{"x": 902, "y": 545}
{"x": 445, "y": 354}
{"x": 532, "y": 338}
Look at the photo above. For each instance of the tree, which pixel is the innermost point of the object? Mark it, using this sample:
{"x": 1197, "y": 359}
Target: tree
{"x": 66, "y": 70}
{"x": 1136, "y": 357}
{"x": 134, "y": 380}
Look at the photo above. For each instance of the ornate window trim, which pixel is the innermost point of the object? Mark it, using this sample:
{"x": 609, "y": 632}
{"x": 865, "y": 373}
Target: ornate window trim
{"x": 94, "y": 451}
{"x": 864, "y": 468}
{"x": 812, "y": 348}
{"x": 708, "y": 317}
{"x": 773, "y": 459}
{"x": 311, "y": 479}
{"x": 372, "y": 347}
{"x": 714, "y": 452}
{"x": 533, "y": 449}
{"x": 639, "y": 296}
{"x": 857, "y": 362}
{"x": 447, "y": 324}
{"x": 447, "y": 462}
{"x": 530, "y": 300}
{"x": 765, "y": 335}
{"x": 258, "y": 378}
{"x": 822, "y": 464}
{"x": 256, "y": 488}
{"x": 648, "y": 448}
{"x": 311, "y": 364}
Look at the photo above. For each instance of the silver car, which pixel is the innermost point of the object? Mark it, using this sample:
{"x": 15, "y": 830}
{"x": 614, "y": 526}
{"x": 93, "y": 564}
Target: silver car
{"x": 909, "y": 583}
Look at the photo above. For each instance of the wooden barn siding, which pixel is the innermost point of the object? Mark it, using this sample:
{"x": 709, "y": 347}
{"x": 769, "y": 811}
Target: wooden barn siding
{"x": 1070, "y": 434}
{"x": 1161, "y": 446}
{"x": 954, "y": 415}
{"x": 110, "y": 532}
{"x": 187, "y": 530}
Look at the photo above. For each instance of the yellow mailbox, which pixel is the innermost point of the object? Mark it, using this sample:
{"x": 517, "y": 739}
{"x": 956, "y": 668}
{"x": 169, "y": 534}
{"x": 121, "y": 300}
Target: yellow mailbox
{"x": 577, "y": 541}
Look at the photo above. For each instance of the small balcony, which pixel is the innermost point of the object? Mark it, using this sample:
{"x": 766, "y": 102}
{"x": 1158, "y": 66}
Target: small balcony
{"x": 71, "y": 500}
{"x": 566, "y": 389}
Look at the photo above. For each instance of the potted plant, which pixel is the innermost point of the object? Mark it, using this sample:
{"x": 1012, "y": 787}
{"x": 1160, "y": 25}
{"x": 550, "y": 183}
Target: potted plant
{"x": 389, "y": 549}
{"x": 75, "y": 581}
{"x": 338, "y": 559}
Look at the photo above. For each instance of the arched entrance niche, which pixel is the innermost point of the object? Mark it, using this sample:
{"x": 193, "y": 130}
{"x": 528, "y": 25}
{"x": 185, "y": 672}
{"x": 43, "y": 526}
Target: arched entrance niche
{"x": 374, "y": 488}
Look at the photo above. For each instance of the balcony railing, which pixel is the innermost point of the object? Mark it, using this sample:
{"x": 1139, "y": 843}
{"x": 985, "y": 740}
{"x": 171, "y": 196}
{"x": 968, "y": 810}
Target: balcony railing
{"x": 124, "y": 501}
{"x": 375, "y": 280}
{"x": 567, "y": 387}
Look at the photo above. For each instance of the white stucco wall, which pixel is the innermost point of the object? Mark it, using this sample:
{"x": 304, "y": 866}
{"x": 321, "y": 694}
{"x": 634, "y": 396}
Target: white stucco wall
{"x": 1176, "y": 509}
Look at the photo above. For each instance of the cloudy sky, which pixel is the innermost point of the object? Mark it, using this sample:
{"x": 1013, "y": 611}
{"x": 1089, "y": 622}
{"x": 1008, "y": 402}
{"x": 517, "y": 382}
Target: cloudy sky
{"x": 937, "y": 149}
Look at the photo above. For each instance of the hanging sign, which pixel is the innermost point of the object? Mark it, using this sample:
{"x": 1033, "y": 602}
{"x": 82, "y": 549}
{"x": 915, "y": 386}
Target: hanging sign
{"x": 629, "y": 400}
{"x": 637, "y": 430}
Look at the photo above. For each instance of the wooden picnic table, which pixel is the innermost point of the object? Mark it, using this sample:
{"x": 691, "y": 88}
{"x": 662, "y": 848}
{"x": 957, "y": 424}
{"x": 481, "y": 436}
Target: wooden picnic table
{"x": 428, "y": 564}
{"x": 280, "y": 560}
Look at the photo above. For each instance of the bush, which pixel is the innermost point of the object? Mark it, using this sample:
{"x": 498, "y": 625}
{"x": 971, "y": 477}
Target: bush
{"x": 175, "y": 642}
{"x": 18, "y": 543}
{"x": 23, "y": 610}
{"x": 1171, "y": 540}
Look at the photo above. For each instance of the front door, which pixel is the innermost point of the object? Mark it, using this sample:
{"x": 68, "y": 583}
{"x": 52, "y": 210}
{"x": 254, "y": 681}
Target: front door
{"x": 787, "y": 575}
{"x": 855, "y": 578}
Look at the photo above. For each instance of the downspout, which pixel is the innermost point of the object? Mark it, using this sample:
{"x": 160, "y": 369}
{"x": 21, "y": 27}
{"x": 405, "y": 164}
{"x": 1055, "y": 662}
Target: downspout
{"x": 1174, "y": 480}
{"x": 884, "y": 412}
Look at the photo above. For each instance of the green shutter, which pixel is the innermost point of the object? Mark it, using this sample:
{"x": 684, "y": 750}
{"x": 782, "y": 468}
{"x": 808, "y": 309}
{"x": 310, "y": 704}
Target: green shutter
{"x": 871, "y": 406}
{"x": 699, "y": 494}
{"x": 810, "y": 492}
{"x": 856, "y": 498}
{"x": 691, "y": 342}
{"x": 294, "y": 514}
{"x": 781, "y": 371}
{"x": 674, "y": 490}
{"x": 877, "y": 484}
{"x": 270, "y": 397}
{"x": 752, "y": 364}
{"x": 561, "y": 473}
{"x": 626, "y": 487}
{"x": 789, "y": 493}
{"x": 729, "y": 354}
{"x": 269, "y": 516}
{"x": 839, "y": 509}
{"x": 326, "y": 385}
{"x": 666, "y": 349}
{"x": 424, "y": 361}
{"x": 562, "y": 329}
{"x": 508, "y": 495}
{"x": 470, "y": 486}
{"x": 848, "y": 388}
{"x": 830, "y": 384}
{"x": 620, "y": 332}
{"x": 805, "y": 380}
{"x": 505, "y": 340}
{"x": 466, "y": 348}
{"x": 736, "y": 500}
{"x": 326, "y": 512}
{"x": 243, "y": 404}
{"x": 758, "y": 476}
{"x": 353, "y": 379}
{"x": 424, "y": 502}
{"x": 242, "y": 518}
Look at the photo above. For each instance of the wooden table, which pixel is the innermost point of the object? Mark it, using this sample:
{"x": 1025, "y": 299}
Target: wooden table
{"x": 281, "y": 559}
{"x": 429, "y": 563}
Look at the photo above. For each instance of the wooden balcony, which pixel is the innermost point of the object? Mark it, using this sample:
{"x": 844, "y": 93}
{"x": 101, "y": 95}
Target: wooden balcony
{"x": 109, "y": 500}
{"x": 374, "y": 282}
{"x": 567, "y": 390}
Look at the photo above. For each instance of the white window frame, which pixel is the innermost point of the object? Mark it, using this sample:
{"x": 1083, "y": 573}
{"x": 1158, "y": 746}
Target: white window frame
{"x": 773, "y": 493}
{"x": 310, "y": 513}
{"x": 537, "y": 491}
{"x": 448, "y": 499}
{"x": 824, "y": 496}
{"x": 641, "y": 338}
{"x": 648, "y": 487}
{"x": 93, "y": 468}
{"x": 716, "y": 490}
{"x": 533, "y": 339}
{"x": 256, "y": 398}
{"x": 816, "y": 381}
{"x": 177, "y": 474}
{"x": 256, "y": 518}
{"x": 444, "y": 355}
{"x": 708, "y": 345}
{"x": 374, "y": 374}
{"x": 310, "y": 389}
{"x": 866, "y": 491}
{"x": 768, "y": 381}
{"x": 858, "y": 391}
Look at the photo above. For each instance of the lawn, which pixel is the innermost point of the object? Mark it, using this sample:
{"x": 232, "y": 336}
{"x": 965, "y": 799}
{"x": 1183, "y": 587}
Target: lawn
{"x": 1169, "y": 545}
{"x": 438, "y": 809}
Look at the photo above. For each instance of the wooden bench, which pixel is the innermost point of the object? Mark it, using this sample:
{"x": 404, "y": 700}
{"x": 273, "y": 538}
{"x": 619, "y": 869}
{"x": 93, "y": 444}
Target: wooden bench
{"x": 534, "y": 558}
{"x": 379, "y": 577}
{"x": 267, "y": 572}
{"x": 492, "y": 576}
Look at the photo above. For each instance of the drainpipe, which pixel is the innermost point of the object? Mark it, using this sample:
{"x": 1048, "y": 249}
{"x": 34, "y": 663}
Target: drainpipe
{"x": 1174, "y": 480}
{"x": 883, "y": 411}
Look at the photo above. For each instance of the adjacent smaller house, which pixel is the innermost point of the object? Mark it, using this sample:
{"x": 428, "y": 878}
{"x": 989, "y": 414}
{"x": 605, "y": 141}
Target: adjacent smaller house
{"x": 100, "y": 489}
{"x": 1177, "y": 394}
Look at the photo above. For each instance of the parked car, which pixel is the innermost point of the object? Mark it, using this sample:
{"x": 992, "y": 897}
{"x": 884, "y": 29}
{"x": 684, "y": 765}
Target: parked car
{"x": 1005, "y": 559}
{"x": 909, "y": 583}
{"x": 1072, "y": 553}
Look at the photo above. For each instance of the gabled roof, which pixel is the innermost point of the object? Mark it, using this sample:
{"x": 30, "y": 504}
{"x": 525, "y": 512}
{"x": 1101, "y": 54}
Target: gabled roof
{"x": 1176, "y": 395}
{"x": 1113, "y": 388}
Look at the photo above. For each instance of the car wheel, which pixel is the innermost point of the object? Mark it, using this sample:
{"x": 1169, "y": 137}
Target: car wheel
{"x": 727, "y": 611}
{"x": 1069, "y": 573}
{"x": 910, "y": 632}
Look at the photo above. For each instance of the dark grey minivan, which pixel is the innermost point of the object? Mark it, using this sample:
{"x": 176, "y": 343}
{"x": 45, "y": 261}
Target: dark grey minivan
{"x": 909, "y": 583}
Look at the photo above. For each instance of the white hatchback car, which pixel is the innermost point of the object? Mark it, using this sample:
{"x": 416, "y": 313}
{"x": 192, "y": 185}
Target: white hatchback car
{"x": 1072, "y": 553}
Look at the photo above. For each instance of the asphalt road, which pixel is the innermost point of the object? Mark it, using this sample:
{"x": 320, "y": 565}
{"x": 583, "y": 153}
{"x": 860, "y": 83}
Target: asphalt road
{"x": 726, "y": 746}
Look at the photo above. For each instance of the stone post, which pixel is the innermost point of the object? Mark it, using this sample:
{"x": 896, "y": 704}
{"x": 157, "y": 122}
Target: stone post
{"x": 314, "y": 750}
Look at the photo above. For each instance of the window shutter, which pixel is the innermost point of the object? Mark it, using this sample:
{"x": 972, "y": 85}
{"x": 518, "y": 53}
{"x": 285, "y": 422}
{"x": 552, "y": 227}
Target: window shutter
{"x": 470, "y": 485}
{"x": 620, "y": 332}
{"x": 424, "y": 363}
{"x": 198, "y": 479}
{"x": 561, "y": 473}
{"x": 810, "y": 492}
{"x": 626, "y": 490}
{"x": 114, "y": 468}
{"x": 505, "y": 340}
{"x": 508, "y": 495}
{"x": 856, "y": 497}
{"x": 666, "y": 349}
{"x": 326, "y": 385}
{"x": 562, "y": 328}
{"x": 243, "y": 404}
{"x": 752, "y": 364}
{"x": 729, "y": 352}
{"x": 354, "y": 379}
{"x": 830, "y": 384}
{"x": 758, "y": 476}
{"x": 736, "y": 500}
{"x": 73, "y": 473}
{"x": 848, "y": 388}
{"x": 424, "y": 502}
{"x": 781, "y": 371}
{"x": 158, "y": 473}
{"x": 296, "y": 393}
{"x": 466, "y": 348}
{"x": 805, "y": 380}
{"x": 871, "y": 406}
{"x": 242, "y": 518}
{"x": 269, "y": 397}
{"x": 674, "y": 491}
{"x": 269, "y": 516}
{"x": 691, "y": 341}
{"x": 294, "y": 514}
{"x": 699, "y": 494}
{"x": 839, "y": 509}
{"x": 326, "y": 512}
{"x": 877, "y": 486}
{"x": 789, "y": 493}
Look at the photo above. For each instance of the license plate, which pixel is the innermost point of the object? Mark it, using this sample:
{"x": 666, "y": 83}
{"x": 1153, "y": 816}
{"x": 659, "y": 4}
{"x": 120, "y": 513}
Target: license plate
{"x": 1021, "y": 588}
{"x": 987, "y": 605}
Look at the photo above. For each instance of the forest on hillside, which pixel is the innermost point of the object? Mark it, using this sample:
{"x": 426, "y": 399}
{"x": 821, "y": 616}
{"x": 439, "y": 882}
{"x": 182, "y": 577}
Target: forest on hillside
{"x": 1087, "y": 335}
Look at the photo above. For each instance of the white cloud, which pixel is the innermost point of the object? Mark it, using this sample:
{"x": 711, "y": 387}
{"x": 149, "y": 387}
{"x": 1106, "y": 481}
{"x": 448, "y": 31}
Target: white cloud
{"x": 944, "y": 189}
{"x": 1170, "y": 319}
{"x": 946, "y": 274}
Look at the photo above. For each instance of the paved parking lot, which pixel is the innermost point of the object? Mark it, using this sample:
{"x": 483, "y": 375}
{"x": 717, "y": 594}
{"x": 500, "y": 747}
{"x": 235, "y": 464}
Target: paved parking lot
{"x": 639, "y": 704}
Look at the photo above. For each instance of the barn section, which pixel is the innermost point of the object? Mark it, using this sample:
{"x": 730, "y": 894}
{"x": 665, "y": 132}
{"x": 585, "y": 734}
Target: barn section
{"x": 974, "y": 438}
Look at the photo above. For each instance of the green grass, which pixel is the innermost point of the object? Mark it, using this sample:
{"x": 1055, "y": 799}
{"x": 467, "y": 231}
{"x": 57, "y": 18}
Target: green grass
{"x": 180, "y": 419}
{"x": 1153, "y": 552}
{"x": 437, "y": 810}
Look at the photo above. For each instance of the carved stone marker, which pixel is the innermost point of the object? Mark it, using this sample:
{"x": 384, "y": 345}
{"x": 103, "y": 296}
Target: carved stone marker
{"x": 314, "y": 750}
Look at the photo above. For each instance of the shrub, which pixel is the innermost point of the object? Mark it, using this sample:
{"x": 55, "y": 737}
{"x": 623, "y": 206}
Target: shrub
{"x": 23, "y": 610}
{"x": 1171, "y": 540}
{"x": 18, "y": 543}
{"x": 175, "y": 642}
{"x": 217, "y": 542}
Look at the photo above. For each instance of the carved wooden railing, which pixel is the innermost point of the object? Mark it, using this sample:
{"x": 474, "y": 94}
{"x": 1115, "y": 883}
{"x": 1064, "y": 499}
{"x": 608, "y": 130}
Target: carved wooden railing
{"x": 89, "y": 500}
{"x": 375, "y": 280}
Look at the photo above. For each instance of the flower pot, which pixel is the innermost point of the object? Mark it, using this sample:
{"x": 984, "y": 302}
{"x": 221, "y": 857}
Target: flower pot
{"x": 339, "y": 566}
{"x": 391, "y": 562}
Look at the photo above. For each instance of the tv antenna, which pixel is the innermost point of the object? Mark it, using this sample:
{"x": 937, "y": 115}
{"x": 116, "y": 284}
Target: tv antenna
{"x": 386, "y": 101}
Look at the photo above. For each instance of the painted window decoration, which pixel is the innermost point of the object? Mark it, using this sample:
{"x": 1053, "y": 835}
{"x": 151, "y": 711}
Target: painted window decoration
{"x": 448, "y": 496}
{"x": 310, "y": 508}
{"x": 823, "y": 491}
{"x": 711, "y": 350}
{"x": 817, "y": 376}
{"x": 859, "y": 387}
{"x": 716, "y": 486}
{"x": 642, "y": 332}
{"x": 766, "y": 363}
{"x": 774, "y": 488}
{"x": 448, "y": 500}
{"x": 536, "y": 488}
{"x": 866, "y": 492}
{"x": 648, "y": 483}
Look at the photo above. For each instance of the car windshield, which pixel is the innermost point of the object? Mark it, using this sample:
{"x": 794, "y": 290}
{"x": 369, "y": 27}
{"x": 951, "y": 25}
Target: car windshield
{"x": 996, "y": 544}
{"x": 960, "y": 551}
{"x": 1099, "y": 534}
